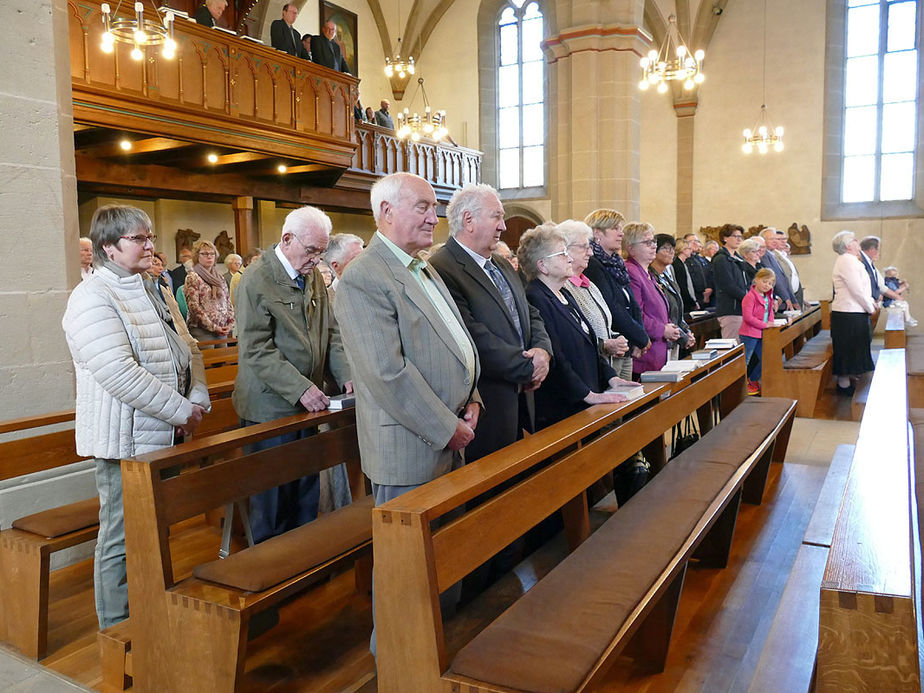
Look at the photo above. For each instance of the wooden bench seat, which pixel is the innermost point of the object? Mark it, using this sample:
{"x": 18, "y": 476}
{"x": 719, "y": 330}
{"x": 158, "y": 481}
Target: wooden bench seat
{"x": 589, "y": 605}
{"x": 895, "y": 329}
{"x": 797, "y": 361}
{"x": 26, "y": 547}
{"x": 200, "y": 624}
{"x": 914, "y": 365}
{"x": 564, "y": 633}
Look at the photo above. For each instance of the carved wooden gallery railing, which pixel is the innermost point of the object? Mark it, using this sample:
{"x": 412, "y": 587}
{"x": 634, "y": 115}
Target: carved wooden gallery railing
{"x": 380, "y": 152}
{"x": 219, "y": 89}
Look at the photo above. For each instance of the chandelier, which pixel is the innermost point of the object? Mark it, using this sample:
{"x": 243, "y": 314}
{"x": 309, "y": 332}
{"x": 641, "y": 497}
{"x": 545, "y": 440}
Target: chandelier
{"x": 138, "y": 31}
{"x": 672, "y": 62}
{"x": 763, "y": 135}
{"x": 396, "y": 66}
{"x": 431, "y": 124}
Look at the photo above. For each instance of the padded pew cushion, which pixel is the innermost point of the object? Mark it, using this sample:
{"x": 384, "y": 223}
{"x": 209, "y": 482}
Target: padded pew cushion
{"x": 806, "y": 359}
{"x": 552, "y": 637}
{"x": 57, "y": 522}
{"x": 914, "y": 355}
{"x": 275, "y": 560}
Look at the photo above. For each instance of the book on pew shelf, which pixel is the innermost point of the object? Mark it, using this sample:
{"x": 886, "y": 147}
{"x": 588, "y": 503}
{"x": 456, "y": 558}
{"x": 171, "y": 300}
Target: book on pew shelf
{"x": 662, "y": 376}
{"x": 698, "y": 313}
{"x": 792, "y": 313}
{"x": 342, "y": 402}
{"x": 630, "y": 390}
{"x": 780, "y": 322}
{"x": 683, "y": 366}
{"x": 721, "y": 343}
{"x": 704, "y": 354}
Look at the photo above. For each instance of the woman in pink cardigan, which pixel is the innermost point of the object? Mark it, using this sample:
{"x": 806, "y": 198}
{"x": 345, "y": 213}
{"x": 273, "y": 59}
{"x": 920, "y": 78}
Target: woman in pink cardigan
{"x": 757, "y": 315}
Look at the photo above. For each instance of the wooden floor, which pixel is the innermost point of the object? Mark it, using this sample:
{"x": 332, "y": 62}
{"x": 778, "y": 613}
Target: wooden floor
{"x": 723, "y": 628}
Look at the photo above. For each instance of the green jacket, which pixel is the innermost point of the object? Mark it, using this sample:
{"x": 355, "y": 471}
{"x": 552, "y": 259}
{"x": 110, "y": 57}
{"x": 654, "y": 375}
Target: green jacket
{"x": 287, "y": 339}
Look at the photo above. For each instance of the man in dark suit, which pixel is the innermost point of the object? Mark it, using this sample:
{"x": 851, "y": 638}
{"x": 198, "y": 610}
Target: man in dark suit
{"x": 209, "y": 13}
{"x": 283, "y": 35}
{"x": 325, "y": 51}
{"x": 512, "y": 343}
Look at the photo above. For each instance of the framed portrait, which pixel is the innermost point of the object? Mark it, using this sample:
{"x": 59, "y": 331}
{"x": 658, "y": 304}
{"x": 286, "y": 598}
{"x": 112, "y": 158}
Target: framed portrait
{"x": 346, "y": 24}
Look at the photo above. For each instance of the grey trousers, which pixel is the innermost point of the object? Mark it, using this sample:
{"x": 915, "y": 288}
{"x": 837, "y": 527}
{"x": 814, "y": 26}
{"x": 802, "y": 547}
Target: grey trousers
{"x": 110, "y": 579}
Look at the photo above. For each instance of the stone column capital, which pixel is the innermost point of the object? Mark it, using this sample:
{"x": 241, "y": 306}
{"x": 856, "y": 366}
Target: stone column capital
{"x": 596, "y": 38}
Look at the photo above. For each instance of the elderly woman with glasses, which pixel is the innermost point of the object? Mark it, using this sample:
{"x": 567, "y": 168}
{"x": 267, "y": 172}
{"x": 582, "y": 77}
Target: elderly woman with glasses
{"x": 661, "y": 269}
{"x": 140, "y": 379}
{"x": 612, "y": 345}
{"x": 639, "y": 242}
{"x": 731, "y": 283}
{"x": 579, "y": 375}
{"x": 208, "y": 296}
{"x": 853, "y": 304}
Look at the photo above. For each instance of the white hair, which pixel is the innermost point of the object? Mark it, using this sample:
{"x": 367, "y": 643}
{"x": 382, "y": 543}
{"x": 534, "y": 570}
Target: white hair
{"x": 471, "y": 199}
{"x": 300, "y": 220}
{"x": 85, "y": 240}
{"x": 574, "y": 230}
{"x": 388, "y": 189}
{"x": 232, "y": 257}
{"x": 339, "y": 244}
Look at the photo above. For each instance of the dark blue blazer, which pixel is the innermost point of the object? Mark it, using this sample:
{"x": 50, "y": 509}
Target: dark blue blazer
{"x": 627, "y": 316}
{"x": 731, "y": 283}
{"x": 577, "y": 368}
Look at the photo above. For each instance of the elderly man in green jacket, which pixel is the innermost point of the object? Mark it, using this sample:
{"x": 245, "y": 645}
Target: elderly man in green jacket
{"x": 287, "y": 341}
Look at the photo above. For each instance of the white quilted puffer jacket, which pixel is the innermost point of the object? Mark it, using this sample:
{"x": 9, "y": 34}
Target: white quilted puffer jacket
{"x": 127, "y": 399}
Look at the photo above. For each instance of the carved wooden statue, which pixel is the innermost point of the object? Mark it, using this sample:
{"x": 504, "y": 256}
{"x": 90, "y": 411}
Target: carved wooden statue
{"x": 224, "y": 245}
{"x": 800, "y": 239}
{"x": 185, "y": 239}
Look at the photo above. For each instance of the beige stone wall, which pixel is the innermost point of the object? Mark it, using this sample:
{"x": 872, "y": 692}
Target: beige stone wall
{"x": 775, "y": 189}
{"x": 38, "y": 210}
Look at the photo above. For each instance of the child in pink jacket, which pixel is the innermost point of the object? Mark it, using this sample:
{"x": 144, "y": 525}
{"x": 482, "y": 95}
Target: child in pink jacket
{"x": 757, "y": 314}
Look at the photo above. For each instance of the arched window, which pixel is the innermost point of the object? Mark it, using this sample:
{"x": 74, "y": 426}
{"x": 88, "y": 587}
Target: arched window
{"x": 520, "y": 96}
{"x": 873, "y": 114}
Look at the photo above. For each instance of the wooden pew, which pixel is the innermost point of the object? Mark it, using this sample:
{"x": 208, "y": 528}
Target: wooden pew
{"x": 219, "y": 356}
{"x": 618, "y": 590}
{"x": 867, "y": 624}
{"x": 191, "y": 634}
{"x": 807, "y": 365}
{"x": 895, "y": 329}
{"x": 914, "y": 363}
{"x": 26, "y": 548}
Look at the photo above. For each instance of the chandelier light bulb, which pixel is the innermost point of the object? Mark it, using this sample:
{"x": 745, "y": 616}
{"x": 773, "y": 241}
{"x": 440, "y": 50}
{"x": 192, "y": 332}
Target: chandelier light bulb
{"x": 652, "y": 55}
{"x": 137, "y": 54}
{"x": 401, "y": 74}
{"x": 681, "y": 51}
{"x": 762, "y": 131}
{"x": 779, "y": 131}
{"x": 778, "y": 145}
{"x": 747, "y": 133}
{"x": 389, "y": 71}
{"x": 689, "y": 84}
{"x": 643, "y": 85}
{"x": 746, "y": 147}
{"x": 700, "y": 77}
{"x": 410, "y": 68}
{"x": 699, "y": 55}
{"x": 643, "y": 62}
{"x": 662, "y": 87}
{"x": 141, "y": 37}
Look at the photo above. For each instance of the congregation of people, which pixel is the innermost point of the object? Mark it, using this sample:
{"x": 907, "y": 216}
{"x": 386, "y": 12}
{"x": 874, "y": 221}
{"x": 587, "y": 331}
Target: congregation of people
{"x": 452, "y": 351}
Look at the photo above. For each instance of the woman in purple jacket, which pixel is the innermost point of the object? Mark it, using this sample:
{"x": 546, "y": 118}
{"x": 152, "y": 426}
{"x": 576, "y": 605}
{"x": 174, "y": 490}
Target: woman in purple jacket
{"x": 639, "y": 243}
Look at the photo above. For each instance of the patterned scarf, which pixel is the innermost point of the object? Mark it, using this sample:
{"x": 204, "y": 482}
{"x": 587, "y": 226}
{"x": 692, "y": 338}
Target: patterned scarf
{"x": 613, "y": 264}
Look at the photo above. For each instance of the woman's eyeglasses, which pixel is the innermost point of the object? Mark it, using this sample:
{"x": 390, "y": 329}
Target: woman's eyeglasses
{"x": 560, "y": 252}
{"x": 141, "y": 238}
{"x": 650, "y": 243}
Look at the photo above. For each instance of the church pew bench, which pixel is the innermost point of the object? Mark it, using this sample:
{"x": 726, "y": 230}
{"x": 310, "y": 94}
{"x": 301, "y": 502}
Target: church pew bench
{"x": 825, "y": 307}
{"x": 219, "y": 356}
{"x": 797, "y": 361}
{"x": 26, "y": 547}
{"x": 619, "y": 585}
{"x": 869, "y": 601}
{"x": 895, "y": 329}
{"x": 217, "y": 375}
{"x": 914, "y": 355}
{"x": 200, "y": 624}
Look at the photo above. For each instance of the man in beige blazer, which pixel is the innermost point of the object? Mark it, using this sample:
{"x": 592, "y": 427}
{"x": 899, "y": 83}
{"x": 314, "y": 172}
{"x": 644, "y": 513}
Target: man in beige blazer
{"x": 413, "y": 362}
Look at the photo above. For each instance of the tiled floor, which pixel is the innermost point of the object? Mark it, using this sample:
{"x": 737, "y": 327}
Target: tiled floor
{"x": 18, "y": 675}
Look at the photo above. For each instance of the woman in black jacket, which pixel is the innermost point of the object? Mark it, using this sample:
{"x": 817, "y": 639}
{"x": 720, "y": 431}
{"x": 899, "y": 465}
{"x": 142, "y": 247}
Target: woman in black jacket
{"x": 731, "y": 286}
{"x": 607, "y": 270}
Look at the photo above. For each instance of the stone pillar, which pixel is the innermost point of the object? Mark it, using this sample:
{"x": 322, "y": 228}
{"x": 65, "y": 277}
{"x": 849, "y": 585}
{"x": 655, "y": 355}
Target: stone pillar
{"x": 38, "y": 208}
{"x": 685, "y": 109}
{"x": 594, "y": 107}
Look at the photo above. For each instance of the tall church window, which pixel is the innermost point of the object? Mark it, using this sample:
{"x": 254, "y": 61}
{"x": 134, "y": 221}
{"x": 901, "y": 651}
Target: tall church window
{"x": 520, "y": 96}
{"x": 880, "y": 104}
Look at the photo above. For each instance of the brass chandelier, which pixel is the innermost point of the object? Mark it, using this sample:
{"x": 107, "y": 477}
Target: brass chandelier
{"x": 431, "y": 124}
{"x": 138, "y": 31}
{"x": 672, "y": 62}
{"x": 763, "y": 135}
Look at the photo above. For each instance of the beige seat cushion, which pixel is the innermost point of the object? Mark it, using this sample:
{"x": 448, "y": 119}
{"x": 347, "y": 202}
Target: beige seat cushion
{"x": 275, "y": 560}
{"x": 57, "y": 522}
{"x": 553, "y": 636}
{"x": 806, "y": 359}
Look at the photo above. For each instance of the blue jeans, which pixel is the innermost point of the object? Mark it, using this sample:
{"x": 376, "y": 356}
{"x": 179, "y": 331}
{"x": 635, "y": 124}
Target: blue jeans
{"x": 285, "y": 507}
{"x": 753, "y": 346}
{"x": 110, "y": 578}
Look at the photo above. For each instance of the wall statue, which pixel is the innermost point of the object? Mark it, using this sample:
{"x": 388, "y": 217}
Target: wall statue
{"x": 224, "y": 245}
{"x": 800, "y": 239}
{"x": 185, "y": 239}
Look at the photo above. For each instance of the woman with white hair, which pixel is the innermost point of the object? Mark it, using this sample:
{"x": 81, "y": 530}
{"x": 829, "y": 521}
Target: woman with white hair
{"x": 611, "y": 345}
{"x": 853, "y": 304}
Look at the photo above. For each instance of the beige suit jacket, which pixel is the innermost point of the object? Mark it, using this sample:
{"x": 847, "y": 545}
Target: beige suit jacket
{"x": 410, "y": 379}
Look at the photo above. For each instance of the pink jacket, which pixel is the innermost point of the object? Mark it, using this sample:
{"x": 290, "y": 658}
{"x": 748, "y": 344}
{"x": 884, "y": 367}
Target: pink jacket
{"x": 753, "y": 308}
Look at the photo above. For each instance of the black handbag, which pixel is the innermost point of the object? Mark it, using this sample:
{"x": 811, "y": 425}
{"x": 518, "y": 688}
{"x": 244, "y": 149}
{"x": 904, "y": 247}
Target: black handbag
{"x": 683, "y": 435}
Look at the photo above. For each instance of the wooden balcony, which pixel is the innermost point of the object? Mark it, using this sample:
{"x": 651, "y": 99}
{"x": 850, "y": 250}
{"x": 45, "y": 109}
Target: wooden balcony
{"x": 248, "y": 106}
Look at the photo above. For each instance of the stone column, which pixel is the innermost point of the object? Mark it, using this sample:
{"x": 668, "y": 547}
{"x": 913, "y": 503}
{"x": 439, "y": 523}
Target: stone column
{"x": 594, "y": 109}
{"x": 685, "y": 109}
{"x": 39, "y": 262}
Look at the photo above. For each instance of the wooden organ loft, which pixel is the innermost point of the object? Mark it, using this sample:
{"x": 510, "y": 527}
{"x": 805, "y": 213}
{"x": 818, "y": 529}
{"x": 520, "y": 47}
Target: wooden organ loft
{"x": 217, "y": 123}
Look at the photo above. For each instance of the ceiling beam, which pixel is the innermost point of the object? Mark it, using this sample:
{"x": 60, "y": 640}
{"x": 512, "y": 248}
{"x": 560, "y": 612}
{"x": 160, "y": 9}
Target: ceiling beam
{"x": 147, "y": 145}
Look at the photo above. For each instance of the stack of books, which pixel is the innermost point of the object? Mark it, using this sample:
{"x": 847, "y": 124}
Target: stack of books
{"x": 338, "y": 402}
{"x": 671, "y": 372}
{"x": 630, "y": 390}
{"x": 704, "y": 354}
{"x": 721, "y": 343}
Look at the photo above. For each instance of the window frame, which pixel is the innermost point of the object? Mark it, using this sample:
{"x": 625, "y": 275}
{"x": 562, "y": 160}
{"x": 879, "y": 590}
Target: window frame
{"x": 833, "y": 208}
